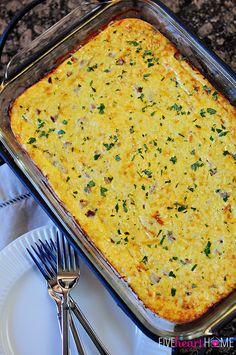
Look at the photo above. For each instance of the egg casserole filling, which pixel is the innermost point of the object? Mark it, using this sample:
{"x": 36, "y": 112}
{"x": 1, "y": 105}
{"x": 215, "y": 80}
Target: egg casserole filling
{"x": 140, "y": 148}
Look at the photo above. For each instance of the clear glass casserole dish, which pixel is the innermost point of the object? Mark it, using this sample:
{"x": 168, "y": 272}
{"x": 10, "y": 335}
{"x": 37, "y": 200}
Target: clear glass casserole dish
{"x": 40, "y": 58}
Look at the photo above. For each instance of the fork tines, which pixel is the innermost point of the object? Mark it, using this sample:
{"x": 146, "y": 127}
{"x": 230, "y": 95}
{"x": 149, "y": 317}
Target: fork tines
{"x": 42, "y": 260}
{"x": 67, "y": 257}
{"x": 44, "y": 254}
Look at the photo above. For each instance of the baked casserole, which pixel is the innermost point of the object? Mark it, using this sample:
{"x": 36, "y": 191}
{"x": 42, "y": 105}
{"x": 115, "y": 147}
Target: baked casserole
{"x": 140, "y": 148}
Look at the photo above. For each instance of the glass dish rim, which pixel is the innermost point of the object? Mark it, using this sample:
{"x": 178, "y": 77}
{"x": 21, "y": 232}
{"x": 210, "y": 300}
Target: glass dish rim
{"x": 96, "y": 15}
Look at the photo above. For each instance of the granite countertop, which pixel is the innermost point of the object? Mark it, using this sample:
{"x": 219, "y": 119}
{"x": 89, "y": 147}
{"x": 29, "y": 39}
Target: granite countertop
{"x": 214, "y": 21}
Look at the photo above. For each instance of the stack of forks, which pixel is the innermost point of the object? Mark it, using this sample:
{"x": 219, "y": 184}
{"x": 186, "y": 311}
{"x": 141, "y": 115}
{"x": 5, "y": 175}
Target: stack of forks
{"x": 59, "y": 264}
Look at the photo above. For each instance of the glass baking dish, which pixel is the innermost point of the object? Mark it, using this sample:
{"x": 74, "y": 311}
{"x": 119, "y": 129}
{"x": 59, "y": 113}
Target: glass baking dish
{"x": 44, "y": 54}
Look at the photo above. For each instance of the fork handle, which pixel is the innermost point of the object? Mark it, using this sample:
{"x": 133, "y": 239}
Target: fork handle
{"x": 73, "y": 329}
{"x": 76, "y": 337}
{"x": 88, "y": 328}
{"x": 65, "y": 324}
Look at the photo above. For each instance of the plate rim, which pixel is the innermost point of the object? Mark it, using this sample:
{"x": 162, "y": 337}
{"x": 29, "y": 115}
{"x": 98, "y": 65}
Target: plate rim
{"x": 17, "y": 249}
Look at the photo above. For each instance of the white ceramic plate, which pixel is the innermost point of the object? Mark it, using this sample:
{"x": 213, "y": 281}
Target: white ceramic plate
{"x": 28, "y": 323}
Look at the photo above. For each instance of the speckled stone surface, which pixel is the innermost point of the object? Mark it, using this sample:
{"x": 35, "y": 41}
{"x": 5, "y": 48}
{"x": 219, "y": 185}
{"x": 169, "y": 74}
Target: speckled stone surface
{"x": 214, "y": 21}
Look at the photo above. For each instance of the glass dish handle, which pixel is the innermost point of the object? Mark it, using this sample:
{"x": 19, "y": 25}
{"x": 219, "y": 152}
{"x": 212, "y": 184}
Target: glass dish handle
{"x": 39, "y": 45}
{"x": 16, "y": 18}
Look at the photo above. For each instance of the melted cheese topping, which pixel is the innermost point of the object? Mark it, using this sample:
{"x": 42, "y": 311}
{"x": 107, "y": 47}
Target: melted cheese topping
{"x": 140, "y": 149}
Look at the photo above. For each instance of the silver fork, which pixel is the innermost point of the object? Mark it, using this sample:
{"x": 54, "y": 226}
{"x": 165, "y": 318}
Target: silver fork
{"x": 49, "y": 274}
{"x": 47, "y": 258}
{"x": 68, "y": 273}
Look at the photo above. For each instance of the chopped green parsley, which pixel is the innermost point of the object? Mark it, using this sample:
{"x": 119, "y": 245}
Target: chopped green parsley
{"x": 196, "y": 165}
{"x": 92, "y": 68}
{"x": 176, "y": 107}
{"x": 211, "y": 111}
{"x": 202, "y": 112}
{"x": 145, "y": 76}
{"x": 61, "y": 132}
{"x": 207, "y": 249}
{"x": 31, "y": 140}
{"x": 207, "y": 89}
{"x": 173, "y": 159}
{"x": 124, "y": 206}
{"x": 101, "y": 108}
{"x": 117, "y": 158}
{"x": 91, "y": 183}
{"x": 133, "y": 43}
{"x": 215, "y": 96}
{"x": 108, "y": 146}
{"x": 103, "y": 191}
{"x": 171, "y": 274}
{"x": 96, "y": 156}
{"x": 144, "y": 259}
{"x": 194, "y": 267}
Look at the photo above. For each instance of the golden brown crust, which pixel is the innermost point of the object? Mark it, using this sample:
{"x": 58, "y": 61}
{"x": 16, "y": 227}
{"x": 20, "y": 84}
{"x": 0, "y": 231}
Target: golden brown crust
{"x": 140, "y": 149}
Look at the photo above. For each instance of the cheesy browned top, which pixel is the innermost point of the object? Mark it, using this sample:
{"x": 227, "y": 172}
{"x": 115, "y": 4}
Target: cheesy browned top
{"x": 140, "y": 149}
